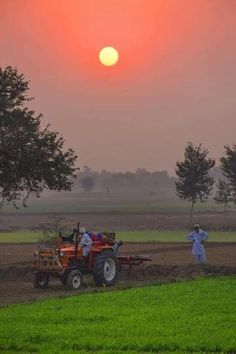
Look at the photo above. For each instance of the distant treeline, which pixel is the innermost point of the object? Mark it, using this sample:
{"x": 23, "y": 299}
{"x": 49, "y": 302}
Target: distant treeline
{"x": 140, "y": 182}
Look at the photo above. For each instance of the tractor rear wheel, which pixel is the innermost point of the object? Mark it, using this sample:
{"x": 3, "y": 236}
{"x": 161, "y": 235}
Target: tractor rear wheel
{"x": 105, "y": 269}
{"x": 41, "y": 280}
{"x": 74, "y": 280}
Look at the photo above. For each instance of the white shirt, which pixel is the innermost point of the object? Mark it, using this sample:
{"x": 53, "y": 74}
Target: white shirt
{"x": 197, "y": 238}
{"x": 86, "y": 243}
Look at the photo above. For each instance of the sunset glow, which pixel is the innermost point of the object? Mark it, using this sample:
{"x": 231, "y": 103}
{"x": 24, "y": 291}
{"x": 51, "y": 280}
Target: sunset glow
{"x": 108, "y": 56}
{"x": 173, "y": 73}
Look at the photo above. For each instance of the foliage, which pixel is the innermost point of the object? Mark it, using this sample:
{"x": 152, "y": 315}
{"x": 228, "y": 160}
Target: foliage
{"x": 140, "y": 182}
{"x": 154, "y": 184}
{"x": 194, "y": 182}
{"x": 50, "y": 231}
{"x": 224, "y": 193}
{"x": 87, "y": 183}
{"x": 31, "y": 158}
{"x": 186, "y": 317}
{"x": 228, "y": 165}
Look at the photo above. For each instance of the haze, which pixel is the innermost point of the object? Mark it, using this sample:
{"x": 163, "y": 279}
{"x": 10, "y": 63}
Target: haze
{"x": 175, "y": 81}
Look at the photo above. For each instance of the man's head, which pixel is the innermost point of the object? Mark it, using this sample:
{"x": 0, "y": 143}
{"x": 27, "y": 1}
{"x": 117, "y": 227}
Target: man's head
{"x": 82, "y": 230}
{"x": 196, "y": 227}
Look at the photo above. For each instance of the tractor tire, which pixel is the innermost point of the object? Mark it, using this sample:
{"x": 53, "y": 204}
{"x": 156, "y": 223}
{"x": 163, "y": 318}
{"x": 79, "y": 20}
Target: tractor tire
{"x": 105, "y": 269}
{"x": 74, "y": 280}
{"x": 41, "y": 280}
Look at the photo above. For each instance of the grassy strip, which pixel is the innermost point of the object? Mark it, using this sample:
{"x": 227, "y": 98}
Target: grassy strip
{"x": 19, "y": 236}
{"x": 128, "y": 236}
{"x": 187, "y": 317}
{"x": 172, "y": 236}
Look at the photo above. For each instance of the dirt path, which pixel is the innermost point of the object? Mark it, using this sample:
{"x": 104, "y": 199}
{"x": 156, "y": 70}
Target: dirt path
{"x": 161, "y": 253}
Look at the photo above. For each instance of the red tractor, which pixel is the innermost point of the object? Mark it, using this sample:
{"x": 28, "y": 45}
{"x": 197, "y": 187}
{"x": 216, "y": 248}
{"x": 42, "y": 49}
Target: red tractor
{"x": 66, "y": 261}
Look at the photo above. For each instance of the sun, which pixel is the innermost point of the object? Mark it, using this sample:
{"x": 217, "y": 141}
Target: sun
{"x": 108, "y": 56}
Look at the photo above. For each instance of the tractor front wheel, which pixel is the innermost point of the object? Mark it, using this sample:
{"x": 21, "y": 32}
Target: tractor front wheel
{"x": 105, "y": 269}
{"x": 41, "y": 280}
{"x": 74, "y": 280}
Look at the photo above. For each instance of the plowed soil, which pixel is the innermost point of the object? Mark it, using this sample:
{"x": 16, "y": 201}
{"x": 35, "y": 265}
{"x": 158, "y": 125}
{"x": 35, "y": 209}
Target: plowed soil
{"x": 147, "y": 221}
{"x": 170, "y": 262}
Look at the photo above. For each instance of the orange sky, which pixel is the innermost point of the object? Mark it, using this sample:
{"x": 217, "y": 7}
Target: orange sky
{"x": 175, "y": 81}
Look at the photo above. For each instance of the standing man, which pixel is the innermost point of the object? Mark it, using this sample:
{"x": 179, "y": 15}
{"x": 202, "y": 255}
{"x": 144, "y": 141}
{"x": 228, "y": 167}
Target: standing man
{"x": 198, "y": 237}
{"x": 85, "y": 241}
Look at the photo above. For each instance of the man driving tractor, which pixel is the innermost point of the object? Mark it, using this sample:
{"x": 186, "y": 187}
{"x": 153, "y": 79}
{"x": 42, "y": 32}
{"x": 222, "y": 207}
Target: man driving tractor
{"x": 82, "y": 238}
{"x": 84, "y": 241}
{"x": 80, "y": 254}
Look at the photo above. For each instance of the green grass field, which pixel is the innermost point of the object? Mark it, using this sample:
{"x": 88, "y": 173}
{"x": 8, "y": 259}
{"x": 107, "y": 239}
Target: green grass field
{"x": 171, "y": 236}
{"x": 19, "y": 236}
{"x": 186, "y": 317}
{"x": 128, "y": 236}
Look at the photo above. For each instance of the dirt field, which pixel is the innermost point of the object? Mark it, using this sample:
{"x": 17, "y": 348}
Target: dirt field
{"x": 170, "y": 262}
{"x": 149, "y": 221}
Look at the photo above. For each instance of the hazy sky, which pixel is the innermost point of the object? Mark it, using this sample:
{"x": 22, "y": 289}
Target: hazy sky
{"x": 175, "y": 81}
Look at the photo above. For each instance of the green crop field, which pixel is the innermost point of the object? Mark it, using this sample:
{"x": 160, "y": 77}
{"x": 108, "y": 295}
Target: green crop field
{"x": 128, "y": 236}
{"x": 19, "y": 236}
{"x": 186, "y": 317}
{"x": 172, "y": 236}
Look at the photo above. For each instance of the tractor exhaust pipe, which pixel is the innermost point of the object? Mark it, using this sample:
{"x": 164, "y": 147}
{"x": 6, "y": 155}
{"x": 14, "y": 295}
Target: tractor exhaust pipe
{"x": 76, "y": 233}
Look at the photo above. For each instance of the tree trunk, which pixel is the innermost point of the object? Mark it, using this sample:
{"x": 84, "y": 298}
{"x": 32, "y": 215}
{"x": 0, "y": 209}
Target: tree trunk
{"x": 191, "y": 214}
{"x": 108, "y": 191}
{"x": 225, "y": 211}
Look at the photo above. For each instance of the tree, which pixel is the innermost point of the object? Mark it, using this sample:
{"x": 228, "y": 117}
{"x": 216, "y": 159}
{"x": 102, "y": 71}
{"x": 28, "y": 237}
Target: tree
{"x": 228, "y": 165}
{"x": 87, "y": 183}
{"x": 31, "y": 158}
{"x": 224, "y": 194}
{"x": 194, "y": 182}
{"x": 106, "y": 181}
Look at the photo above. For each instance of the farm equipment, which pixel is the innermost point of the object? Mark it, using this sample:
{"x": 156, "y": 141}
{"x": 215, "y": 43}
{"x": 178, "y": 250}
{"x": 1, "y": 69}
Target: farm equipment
{"x": 66, "y": 261}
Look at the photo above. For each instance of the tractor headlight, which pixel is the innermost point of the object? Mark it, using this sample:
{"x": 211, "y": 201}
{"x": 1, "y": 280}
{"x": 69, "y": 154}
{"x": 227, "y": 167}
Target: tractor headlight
{"x": 62, "y": 253}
